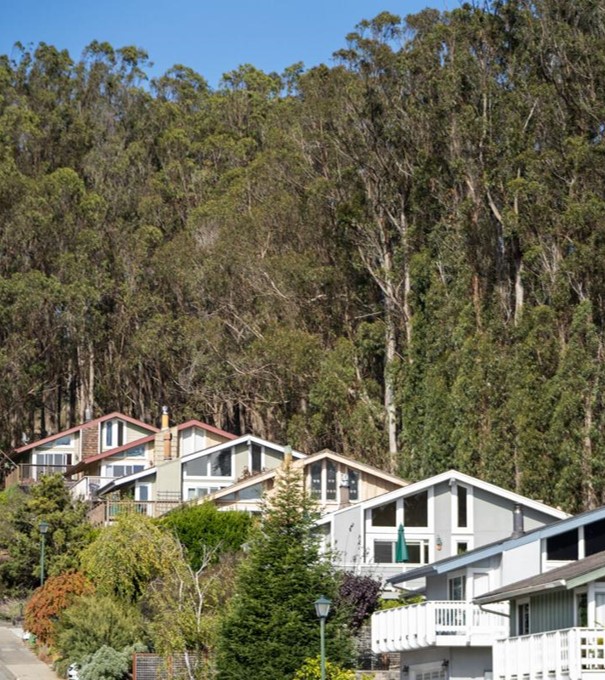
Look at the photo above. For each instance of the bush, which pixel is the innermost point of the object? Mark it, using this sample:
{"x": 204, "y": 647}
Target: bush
{"x": 311, "y": 670}
{"x": 51, "y": 600}
{"x": 94, "y": 621}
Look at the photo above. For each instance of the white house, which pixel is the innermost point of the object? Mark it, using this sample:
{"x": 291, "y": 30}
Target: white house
{"x": 455, "y": 631}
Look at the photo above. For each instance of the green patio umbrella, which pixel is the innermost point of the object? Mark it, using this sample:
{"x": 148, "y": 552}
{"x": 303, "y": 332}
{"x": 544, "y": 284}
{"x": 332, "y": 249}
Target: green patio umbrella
{"x": 401, "y": 549}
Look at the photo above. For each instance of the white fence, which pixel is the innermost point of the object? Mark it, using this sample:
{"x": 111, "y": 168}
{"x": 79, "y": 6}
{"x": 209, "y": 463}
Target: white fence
{"x": 437, "y": 623}
{"x": 570, "y": 654}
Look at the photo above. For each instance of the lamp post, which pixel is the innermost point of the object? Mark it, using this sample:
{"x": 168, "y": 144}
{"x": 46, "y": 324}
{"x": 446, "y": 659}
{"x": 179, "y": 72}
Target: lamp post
{"x": 43, "y": 527}
{"x": 322, "y": 609}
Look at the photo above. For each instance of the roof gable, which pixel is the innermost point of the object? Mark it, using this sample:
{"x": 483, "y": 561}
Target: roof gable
{"x": 84, "y": 426}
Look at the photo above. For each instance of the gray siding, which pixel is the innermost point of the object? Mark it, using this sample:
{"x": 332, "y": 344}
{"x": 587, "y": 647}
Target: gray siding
{"x": 273, "y": 458}
{"x": 519, "y": 562}
{"x": 550, "y": 611}
{"x": 348, "y": 536}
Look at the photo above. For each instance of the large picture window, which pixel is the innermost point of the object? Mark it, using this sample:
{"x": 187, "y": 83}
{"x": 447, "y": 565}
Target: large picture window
{"x": 330, "y": 480}
{"x": 415, "y": 510}
{"x": 384, "y": 515}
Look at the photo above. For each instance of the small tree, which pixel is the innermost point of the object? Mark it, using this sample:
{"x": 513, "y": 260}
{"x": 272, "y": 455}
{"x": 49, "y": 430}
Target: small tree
{"x": 69, "y": 532}
{"x": 271, "y": 627}
{"x": 128, "y": 555}
{"x": 51, "y": 600}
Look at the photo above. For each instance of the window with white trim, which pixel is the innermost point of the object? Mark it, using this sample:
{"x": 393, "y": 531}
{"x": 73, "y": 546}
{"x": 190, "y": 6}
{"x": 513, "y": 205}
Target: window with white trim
{"x": 113, "y": 433}
{"x": 256, "y": 458}
{"x": 456, "y": 588}
{"x": 122, "y": 470}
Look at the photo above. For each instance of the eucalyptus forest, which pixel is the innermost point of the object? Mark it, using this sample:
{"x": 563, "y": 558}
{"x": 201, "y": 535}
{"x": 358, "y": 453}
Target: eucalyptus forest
{"x": 399, "y": 255}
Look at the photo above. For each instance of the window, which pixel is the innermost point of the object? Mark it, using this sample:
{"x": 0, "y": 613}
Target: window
{"x": 594, "y": 537}
{"x": 415, "y": 510}
{"x": 353, "y": 485}
{"x": 251, "y": 493}
{"x": 63, "y": 441}
{"x": 384, "y": 515}
{"x": 418, "y": 552}
{"x": 217, "y": 464}
{"x": 523, "y": 618}
{"x": 53, "y": 460}
{"x": 122, "y": 470}
{"x": 114, "y": 433}
{"x": 220, "y": 464}
{"x": 456, "y": 587}
{"x": 256, "y": 456}
{"x": 316, "y": 480}
{"x": 384, "y": 552}
{"x": 200, "y": 491}
{"x": 142, "y": 493}
{"x": 330, "y": 481}
{"x": 462, "y": 493}
{"x": 563, "y": 547}
{"x": 461, "y": 547}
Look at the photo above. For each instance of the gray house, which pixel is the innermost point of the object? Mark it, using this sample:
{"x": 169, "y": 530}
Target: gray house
{"x": 454, "y": 632}
{"x": 556, "y": 627}
{"x": 445, "y": 515}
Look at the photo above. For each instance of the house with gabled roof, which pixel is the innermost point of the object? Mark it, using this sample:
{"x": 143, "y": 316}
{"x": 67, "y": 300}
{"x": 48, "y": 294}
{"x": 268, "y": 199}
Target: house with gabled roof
{"x": 179, "y": 478}
{"x": 466, "y": 612}
{"x": 62, "y": 450}
{"x": 333, "y": 480}
{"x": 447, "y": 514}
{"x": 557, "y": 623}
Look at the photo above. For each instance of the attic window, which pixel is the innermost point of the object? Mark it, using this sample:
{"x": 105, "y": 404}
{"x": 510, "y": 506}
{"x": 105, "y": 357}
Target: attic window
{"x": 256, "y": 459}
{"x": 330, "y": 481}
{"x": 353, "y": 485}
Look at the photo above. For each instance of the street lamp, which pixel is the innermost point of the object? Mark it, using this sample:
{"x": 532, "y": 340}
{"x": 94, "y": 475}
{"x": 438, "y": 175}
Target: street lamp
{"x": 322, "y": 609}
{"x": 43, "y": 527}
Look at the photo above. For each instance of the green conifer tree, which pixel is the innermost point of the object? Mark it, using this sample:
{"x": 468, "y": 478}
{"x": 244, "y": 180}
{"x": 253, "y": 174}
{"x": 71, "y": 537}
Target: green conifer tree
{"x": 271, "y": 627}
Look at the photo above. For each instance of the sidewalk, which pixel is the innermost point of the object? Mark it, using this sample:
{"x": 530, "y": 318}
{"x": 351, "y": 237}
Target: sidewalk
{"x": 17, "y": 662}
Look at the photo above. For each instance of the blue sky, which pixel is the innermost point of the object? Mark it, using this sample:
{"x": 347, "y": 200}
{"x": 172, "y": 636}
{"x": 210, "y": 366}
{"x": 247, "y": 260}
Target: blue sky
{"x": 212, "y": 37}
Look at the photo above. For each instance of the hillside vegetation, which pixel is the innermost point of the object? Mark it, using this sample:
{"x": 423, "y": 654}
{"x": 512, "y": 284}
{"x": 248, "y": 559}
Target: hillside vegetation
{"x": 400, "y": 256}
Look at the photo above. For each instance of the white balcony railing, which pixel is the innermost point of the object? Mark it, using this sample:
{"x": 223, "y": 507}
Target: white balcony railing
{"x": 438, "y": 623}
{"x": 570, "y": 654}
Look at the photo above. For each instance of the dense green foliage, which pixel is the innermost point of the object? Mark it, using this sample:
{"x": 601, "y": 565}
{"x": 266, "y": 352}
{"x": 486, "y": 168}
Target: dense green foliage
{"x": 203, "y": 528}
{"x": 400, "y": 256}
{"x": 21, "y": 514}
{"x": 271, "y": 627}
{"x": 94, "y": 621}
{"x": 128, "y": 555}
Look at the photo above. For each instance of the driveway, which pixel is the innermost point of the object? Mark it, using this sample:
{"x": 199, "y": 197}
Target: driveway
{"x": 17, "y": 662}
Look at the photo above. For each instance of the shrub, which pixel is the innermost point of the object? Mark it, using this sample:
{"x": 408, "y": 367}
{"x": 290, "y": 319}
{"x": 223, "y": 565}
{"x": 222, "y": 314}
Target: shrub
{"x": 48, "y": 602}
{"x": 311, "y": 670}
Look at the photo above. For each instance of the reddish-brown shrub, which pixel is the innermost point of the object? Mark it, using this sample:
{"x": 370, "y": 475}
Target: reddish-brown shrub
{"x": 47, "y": 603}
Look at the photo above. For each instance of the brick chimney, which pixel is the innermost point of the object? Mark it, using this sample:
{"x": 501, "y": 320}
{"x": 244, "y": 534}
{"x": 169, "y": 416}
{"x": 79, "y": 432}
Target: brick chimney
{"x": 89, "y": 441}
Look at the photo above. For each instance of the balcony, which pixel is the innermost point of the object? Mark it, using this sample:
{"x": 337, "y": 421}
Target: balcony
{"x": 108, "y": 511}
{"x": 437, "y": 624}
{"x": 571, "y": 654}
{"x": 27, "y": 474}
